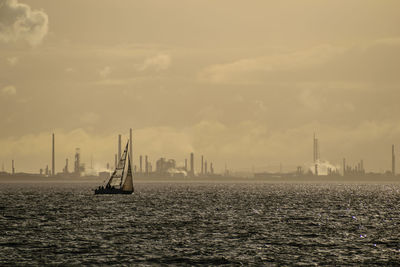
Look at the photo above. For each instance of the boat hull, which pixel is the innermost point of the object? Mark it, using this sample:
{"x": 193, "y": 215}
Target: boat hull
{"x": 111, "y": 191}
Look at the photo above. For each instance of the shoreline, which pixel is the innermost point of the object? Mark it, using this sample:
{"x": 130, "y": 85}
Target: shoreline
{"x": 221, "y": 180}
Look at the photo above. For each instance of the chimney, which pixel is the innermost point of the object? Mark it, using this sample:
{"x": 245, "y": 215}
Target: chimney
{"x": 202, "y": 165}
{"x": 186, "y": 165}
{"x": 314, "y": 156}
{"x": 53, "y": 164}
{"x": 140, "y": 164}
{"x": 12, "y": 168}
{"x": 146, "y": 162}
{"x": 66, "y": 166}
{"x": 393, "y": 162}
{"x": 119, "y": 147}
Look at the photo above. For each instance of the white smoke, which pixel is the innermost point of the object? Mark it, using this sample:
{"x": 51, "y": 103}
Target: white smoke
{"x": 97, "y": 168}
{"x": 323, "y": 167}
{"x": 177, "y": 171}
{"x": 19, "y": 22}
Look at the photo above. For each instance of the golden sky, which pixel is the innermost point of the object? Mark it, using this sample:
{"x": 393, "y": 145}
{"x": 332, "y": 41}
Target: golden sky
{"x": 242, "y": 82}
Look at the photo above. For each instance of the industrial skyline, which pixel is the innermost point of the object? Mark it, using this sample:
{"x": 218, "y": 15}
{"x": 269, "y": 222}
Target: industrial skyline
{"x": 170, "y": 168}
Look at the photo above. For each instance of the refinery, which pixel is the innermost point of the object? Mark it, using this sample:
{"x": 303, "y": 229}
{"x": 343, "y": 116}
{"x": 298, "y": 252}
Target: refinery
{"x": 168, "y": 168}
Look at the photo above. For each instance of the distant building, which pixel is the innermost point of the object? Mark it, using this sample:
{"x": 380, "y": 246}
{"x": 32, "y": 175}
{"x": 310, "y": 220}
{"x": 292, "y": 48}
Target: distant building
{"x": 78, "y": 167}
{"x": 163, "y": 165}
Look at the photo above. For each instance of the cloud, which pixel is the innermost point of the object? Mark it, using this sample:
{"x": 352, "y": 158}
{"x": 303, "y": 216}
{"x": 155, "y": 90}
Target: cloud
{"x": 19, "y": 22}
{"x": 376, "y": 61}
{"x": 312, "y": 99}
{"x": 105, "y": 72}
{"x": 69, "y": 70}
{"x": 12, "y": 61}
{"x": 9, "y": 90}
{"x": 158, "y": 62}
{"x": 250, "y": 69}
{"x": 90, "y": 117}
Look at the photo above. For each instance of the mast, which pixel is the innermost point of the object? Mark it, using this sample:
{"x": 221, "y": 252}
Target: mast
{"x": 123, "y": 168}
{"x": 126, "y": 158}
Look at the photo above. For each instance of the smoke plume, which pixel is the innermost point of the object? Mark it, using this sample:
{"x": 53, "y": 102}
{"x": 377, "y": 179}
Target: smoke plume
{"x": 323, "y": 167}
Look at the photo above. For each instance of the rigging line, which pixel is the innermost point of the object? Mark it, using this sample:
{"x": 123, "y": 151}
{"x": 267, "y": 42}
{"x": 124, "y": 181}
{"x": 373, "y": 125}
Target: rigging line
{"x": 123, "y": 169}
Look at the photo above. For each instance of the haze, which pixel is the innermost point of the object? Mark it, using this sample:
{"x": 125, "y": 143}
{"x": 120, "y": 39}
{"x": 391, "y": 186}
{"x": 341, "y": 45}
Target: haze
{"x": 245, "y": 83}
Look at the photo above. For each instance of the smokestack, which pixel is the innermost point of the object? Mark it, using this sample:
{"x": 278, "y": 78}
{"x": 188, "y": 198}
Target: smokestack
{"x": 66, "y": 166}
{"x": 12, "y": 168}
{"x": 316, "y": 149}
{"x": 314, "y": 155}
{"x": 205, "y": 167}
{"x": 116, "y": 161}
{"x": 119, "y": 147}
{"x": 130, "y": 146}
{"x": 393, "y": 162}
{"x": 202, "y": 165}
{"x": 53, "y": 164}
{"x": 186, "y": 165}
{"x": 141, "y": 164}
{"x": 192, "y": 164}
{"x": 146, "y": 165}
{"x": 211, "y": 168}
{"x": 77, "y": 163}
{"x": 316, "y": 169}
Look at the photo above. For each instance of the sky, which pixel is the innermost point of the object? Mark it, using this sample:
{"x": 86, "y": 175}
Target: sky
{"x": 244, "y": 83}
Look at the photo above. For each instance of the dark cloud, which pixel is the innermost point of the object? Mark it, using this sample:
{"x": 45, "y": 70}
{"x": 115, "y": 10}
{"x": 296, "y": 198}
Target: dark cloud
{"x": 19, "y": 22}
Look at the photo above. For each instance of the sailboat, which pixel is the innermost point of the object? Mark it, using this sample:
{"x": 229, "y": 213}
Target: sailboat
{"x": 121, "y": 180}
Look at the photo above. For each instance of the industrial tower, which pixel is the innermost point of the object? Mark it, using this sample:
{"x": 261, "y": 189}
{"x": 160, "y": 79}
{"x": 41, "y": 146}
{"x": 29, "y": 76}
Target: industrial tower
{"x": 393, "y": 162}
{"x": 53, "y": 162}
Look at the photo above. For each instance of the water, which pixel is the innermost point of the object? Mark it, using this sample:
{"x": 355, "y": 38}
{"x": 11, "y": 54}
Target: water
{"x": 201, "y": 224}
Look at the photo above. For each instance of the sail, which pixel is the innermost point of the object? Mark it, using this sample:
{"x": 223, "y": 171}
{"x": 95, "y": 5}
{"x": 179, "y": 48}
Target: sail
{"x": 117, "y": 176}
{"x": 128, "y": 182}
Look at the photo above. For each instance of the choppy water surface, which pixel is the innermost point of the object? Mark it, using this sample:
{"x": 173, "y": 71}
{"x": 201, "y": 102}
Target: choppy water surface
{"x": 195, "y": 224}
